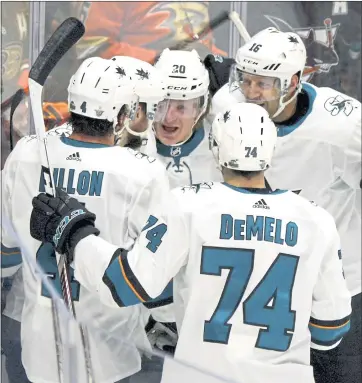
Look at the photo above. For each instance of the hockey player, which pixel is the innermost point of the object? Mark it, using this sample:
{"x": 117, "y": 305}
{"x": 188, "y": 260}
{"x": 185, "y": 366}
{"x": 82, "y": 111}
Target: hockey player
{"x": 11, "y": 261}
{"x": 180, "y": 137}
{"x": 318, "y": 154}
{"x": 257, "y": 273}
{"x": 117, "y": 183}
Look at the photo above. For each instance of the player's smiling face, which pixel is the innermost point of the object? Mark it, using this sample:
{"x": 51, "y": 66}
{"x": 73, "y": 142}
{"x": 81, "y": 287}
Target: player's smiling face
{"x": 178, "y": 121}
{"x": 261, "y": 90}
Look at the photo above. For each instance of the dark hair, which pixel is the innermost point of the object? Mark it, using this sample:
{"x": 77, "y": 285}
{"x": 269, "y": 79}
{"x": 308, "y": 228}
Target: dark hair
{"x": 90, "y": 126}
{"x": 244, "y": 173}
{"x": 134, "y": 142}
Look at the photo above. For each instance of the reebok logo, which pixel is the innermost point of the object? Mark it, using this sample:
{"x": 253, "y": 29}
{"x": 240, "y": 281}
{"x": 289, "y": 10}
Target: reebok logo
{"x": 261, "y": 204}
{"x": 74, "y": 156}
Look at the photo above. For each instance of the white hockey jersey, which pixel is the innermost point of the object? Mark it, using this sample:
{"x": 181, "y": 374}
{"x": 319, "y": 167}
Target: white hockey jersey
{"x": 257, "y": 280}
{"x": 11, "y": 264}
{"x": 191, "y": 162}
{"x": 186, "y": 164}
{"x": 118, "y": 184}
{"x": 320, "y": 156}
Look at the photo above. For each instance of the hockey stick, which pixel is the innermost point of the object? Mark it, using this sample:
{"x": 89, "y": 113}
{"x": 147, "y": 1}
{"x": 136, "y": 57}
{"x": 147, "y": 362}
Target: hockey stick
{"x": 212, "y": 25}
{"x": 5, "y": 104}
{"x": 235, "y": 18}
{"x": 67, "y": 34}
{"x": 232, "y": 16}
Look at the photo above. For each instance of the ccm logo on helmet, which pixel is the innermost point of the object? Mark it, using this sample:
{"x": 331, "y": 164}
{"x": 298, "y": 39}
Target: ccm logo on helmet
{"x": 177, "y": 87}
{"x": 250, "y": 62}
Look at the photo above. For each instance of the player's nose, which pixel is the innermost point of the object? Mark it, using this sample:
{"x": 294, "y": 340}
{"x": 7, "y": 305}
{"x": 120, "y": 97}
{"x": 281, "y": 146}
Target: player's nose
{"x": 252, "y": 91}
{"x": 171, "y": 114}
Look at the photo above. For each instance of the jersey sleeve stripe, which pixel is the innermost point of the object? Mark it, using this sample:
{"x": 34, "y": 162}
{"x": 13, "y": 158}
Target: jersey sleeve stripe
{"x": 112, "y": 288}
{"x": 327, "y": 336}
{"x": 131, "y": 279}
{"x": 329, "y": 323}
{"x": 128, "y": 281}
{"x": 166, "y": 298}
{"x": 10, "y": 257}
{"x": 328, "y": 344}
{"x": 116, "y": 280}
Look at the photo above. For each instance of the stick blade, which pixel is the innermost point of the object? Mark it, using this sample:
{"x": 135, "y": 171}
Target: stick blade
{"x": 67, "y": 34}
{"x": 223, "y": 16}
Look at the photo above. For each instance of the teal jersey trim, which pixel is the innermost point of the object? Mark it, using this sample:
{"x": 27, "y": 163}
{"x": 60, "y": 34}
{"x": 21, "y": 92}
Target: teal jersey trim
{"x": 254, "y": 190}
{"x": 182, "y": 150}
{"x": 82, "y": 144}
{"x": 284, "y": 130}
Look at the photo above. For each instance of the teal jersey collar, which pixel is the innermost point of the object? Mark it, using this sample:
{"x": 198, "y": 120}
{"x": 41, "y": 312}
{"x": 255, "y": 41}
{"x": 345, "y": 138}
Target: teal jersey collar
{"x": 82, "y": 144}
{"x": 182, "y": 150}
{"x": 284, "y": 130}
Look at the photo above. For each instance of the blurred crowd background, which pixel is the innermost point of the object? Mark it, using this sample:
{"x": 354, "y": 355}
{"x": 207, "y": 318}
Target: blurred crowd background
{"x": 330, "y": 30}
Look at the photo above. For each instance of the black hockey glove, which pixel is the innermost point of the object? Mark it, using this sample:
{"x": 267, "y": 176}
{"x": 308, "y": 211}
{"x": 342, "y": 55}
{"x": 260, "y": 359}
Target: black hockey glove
{"x": 162, "y": 335}
{"x": 63, "y": 221}
{"x": 219, "y": 71}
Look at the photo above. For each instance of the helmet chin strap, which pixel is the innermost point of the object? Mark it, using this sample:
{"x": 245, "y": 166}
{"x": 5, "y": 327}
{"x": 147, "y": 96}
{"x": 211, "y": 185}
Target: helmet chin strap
{"x": 282, "y": 104}
{"x": 126, "y": 127}
{"x": 134, "y": 133}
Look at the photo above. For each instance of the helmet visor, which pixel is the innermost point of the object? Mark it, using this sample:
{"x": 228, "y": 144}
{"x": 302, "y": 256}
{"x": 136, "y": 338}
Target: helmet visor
{"x": 170, "y": 110}
{"x": 255, "y": 88}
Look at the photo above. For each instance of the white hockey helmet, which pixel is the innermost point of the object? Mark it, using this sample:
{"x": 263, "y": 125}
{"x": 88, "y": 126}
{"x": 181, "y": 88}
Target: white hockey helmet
{"x": 243, "y": 137}
{"x": 273, "y": 54}
{"x": 149, "y": 88}
{"x": 94, "y": 90}
{"x": 186, "y": 78}
{"x": 100, "y": 88}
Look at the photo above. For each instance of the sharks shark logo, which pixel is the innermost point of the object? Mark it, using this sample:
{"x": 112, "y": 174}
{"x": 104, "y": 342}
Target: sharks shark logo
{"x": 319, "y": 42}
{"x": 337, "y": 104}
{"x": 61, "y": 131}
{"x": 143, "y": 74}
{"x": 293, "y": 40}
{"x": 120, "y": 71}
{"x": 226, "y": 116}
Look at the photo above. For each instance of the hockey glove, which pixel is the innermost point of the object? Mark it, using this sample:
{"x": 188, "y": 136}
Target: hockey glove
{"x": 63, "y": 221}
{"x": 162, "y": 335}
{"x": 219, "y": 71}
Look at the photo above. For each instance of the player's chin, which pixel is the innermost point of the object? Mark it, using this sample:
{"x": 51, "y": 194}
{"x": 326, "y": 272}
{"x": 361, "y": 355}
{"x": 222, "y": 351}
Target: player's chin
{"x": 168, "y": 135}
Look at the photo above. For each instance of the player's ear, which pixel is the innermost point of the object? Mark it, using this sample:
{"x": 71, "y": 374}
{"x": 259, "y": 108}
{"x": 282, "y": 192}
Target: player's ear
{"x": 122, "y": 114}
{"x": 139, "y": 112}
{"x": 294, "y": 82}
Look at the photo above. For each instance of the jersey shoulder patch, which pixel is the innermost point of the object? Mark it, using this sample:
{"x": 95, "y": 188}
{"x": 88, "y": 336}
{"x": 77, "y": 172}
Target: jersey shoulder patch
{"x": 197, "y": 187}
{"x": 64, "y": 130}
{"x": 340, "y": 104}
{"x": 141, "y": 156}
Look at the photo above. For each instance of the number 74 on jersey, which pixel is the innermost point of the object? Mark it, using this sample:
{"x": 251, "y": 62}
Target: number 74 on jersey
{"x": 268, "y": 306}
